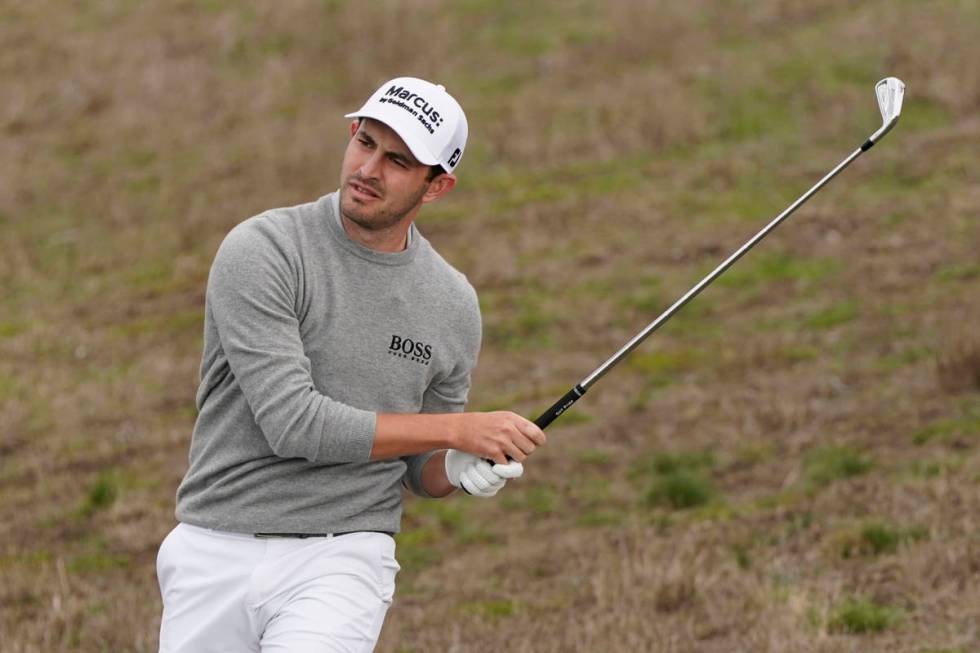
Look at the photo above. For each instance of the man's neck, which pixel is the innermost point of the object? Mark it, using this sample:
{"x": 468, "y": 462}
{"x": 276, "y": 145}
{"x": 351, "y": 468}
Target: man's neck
{"x": 392, "y": 239}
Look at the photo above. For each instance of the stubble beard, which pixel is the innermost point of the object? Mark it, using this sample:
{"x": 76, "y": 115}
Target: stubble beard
{"x": 380, "y": 218}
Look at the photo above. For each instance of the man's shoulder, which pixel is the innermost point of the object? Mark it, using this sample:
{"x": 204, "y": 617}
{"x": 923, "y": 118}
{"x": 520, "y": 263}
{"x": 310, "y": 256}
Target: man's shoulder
{"x": 275, "y": 225}
{"x": 445, "y": 275}
{"x": 280, "y": 218}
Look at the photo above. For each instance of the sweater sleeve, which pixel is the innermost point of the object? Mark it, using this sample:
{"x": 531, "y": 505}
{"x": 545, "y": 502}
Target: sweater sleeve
{"x": 449, "y": 394}
{"x": 252, "y": 296}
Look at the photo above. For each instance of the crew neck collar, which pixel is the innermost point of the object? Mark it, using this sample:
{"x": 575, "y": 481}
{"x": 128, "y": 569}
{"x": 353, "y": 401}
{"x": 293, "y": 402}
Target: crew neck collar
{"x": 331, "y": 206}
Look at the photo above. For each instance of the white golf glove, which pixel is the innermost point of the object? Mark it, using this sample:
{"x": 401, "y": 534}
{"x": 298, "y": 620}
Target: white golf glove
{"x": 478, "y": 476}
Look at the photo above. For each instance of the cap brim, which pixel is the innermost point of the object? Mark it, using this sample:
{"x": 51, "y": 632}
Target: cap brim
{"x": 419, "y": 151}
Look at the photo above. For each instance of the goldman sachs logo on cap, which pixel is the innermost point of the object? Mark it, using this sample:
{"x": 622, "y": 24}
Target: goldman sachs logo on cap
{"x": 415, "y": 104}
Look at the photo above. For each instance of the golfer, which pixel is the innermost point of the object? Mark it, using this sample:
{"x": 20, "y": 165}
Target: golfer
{"x": 338, "y": 351}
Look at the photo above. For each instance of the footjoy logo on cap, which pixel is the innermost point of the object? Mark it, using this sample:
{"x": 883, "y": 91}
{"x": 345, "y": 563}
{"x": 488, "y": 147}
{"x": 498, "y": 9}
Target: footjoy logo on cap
{"x": 407, "y": 100}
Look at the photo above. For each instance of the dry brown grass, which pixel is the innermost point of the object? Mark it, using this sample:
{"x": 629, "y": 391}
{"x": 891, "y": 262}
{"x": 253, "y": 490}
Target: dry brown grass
{"x": 958, "y": 361}
{"x": 618, "y": 150}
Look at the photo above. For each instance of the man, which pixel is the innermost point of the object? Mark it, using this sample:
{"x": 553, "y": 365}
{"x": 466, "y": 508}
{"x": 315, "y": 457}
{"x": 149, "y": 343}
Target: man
{"x": 338, "y": 349}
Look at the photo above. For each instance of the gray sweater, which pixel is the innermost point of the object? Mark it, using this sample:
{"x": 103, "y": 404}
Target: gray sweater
{"x": 307, "y": 335}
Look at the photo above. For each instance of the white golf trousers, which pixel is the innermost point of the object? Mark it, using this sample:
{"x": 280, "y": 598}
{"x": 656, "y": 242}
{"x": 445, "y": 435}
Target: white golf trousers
{"x": 231, "y": 592}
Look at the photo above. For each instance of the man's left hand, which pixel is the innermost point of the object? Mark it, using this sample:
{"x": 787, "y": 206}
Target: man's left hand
{"x": 477, "y": 476}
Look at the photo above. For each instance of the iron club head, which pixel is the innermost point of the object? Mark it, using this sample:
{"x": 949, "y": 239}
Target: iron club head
{"x": 890, "y": 92}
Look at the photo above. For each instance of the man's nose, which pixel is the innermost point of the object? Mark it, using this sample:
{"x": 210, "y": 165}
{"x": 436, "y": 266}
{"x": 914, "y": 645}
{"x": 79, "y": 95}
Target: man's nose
{"x": 372, "y": 166}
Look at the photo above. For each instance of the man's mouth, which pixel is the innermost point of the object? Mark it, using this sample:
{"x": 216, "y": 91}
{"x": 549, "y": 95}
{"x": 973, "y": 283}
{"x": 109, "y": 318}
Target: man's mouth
{"x": 363, "y": 190}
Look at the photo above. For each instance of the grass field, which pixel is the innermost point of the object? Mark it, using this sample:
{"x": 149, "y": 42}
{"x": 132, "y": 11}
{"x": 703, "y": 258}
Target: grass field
{"x": 791, "y": 464}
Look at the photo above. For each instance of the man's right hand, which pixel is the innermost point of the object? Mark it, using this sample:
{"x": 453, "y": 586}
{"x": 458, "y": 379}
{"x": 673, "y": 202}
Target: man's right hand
{"x": 498, "y": 436}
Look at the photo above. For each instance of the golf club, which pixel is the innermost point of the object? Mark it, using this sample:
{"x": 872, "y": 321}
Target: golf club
{"x": 890, "y": 92}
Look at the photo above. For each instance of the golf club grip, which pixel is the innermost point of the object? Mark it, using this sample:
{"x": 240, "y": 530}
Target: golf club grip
{"x": 548, "y": 416}
{"x": 559, "y": 407}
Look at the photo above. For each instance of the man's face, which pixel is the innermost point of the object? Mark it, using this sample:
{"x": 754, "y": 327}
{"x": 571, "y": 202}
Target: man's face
{"x": 380, "y": 181}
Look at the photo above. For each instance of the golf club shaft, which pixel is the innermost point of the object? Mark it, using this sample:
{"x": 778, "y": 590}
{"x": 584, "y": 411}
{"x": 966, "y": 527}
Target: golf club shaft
{"x": 582, "y": 386}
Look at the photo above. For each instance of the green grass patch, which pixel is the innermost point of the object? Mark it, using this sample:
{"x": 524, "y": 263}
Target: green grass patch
{"x": 660, "y": 367}
{"x": 599, "y": 518}
{"x": 96, "y": 562}
{"x": 538, "y": 500}
{"x": 189, "y": 319}
{"x": 749, "y": 112}
{"x": 771, "y": 267}
{"x": 965, "y": 426}
{"x": 830, "y": 71}
{"x": 592, "y": 490}
{"x": 751, "y": 453}
{"x": 921, "y": 114}
{"x": 748, "y": 198}
{"x": 593, "y": 457}
{"x": 9, "y": 387}
{"x": 516, "y": 188}
{"x": 450, "y": 516}
{"x": 796, "y": 353}
{"x": 597, "y": 506}
{"x": 742, "y": 553}
{"x": 933, "y": 468}
{"x": 824, "y": 465}
{"x": 9, "y": 329}
{"x": 832, "y": 316}
{"x": 676, "y": 480}
{"x": 446, "y": 513}
{"x": 899, "y": 183}
{"x": 492, "y": 610}
{"x": 571, "y": 417}
{"x": 925, "y": 468}
{"x": 859, "y": 615}
{"x": 876, "y": 538}
{"x": 518, "y": 320}
{"x": 668, "y": 463}
{"x": 796, "y": 522}
{"x": 958, "y": 272}
{"x": 417, "y": 548}
{"x": 696, "y": 322}
{"x": 645, "y": 296}
{"x": 101, "y": 495}
{"x": 96, "y": 557}
{"x": 35, "y": 560}
{"x": 151, "y": 274}
{"x": 907, "y": 356}
{"x": 680, "y": 490}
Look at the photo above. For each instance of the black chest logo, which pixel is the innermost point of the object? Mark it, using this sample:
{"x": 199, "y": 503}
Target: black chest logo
{"x": 409, "y": 349}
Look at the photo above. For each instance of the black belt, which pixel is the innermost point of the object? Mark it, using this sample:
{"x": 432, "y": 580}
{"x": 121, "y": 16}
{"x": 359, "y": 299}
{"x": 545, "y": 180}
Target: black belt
{"x": 303, "y": 536}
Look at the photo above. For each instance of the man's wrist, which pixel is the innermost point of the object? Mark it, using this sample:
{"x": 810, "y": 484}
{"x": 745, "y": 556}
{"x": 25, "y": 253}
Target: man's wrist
{"x": 452, "y": 430}
{"x": 435, "y": 481}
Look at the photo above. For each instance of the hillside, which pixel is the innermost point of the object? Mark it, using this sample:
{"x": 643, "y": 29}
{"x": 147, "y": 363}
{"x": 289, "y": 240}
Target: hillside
{"x": 791, "y": 464}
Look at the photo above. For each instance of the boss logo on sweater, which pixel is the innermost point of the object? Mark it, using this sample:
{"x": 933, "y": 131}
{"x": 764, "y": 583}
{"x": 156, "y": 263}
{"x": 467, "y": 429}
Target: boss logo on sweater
{"x": 413, "y": 350}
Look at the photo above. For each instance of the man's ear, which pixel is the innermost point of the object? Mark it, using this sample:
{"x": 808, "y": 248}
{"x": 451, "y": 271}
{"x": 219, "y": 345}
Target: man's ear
{"x": 354, "y": 124}
{"x": 438, "y": 187}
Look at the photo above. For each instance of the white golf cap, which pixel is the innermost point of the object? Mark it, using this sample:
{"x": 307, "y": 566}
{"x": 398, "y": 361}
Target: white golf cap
{"x": 427, "y": 118}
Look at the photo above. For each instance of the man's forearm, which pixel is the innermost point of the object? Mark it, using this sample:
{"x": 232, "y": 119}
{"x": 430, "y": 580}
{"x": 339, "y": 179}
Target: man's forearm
{"x": 397, "y": 435}
{"x": 496, "y": 436}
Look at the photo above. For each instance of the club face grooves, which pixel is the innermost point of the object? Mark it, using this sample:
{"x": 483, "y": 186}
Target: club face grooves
{"x": 890, "y": 92}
